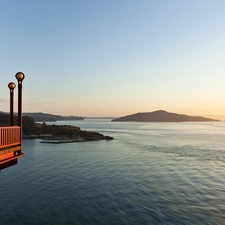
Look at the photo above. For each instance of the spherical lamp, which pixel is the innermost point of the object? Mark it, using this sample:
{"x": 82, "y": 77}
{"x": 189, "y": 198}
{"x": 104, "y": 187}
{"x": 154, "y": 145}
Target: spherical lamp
{"x": 11, "y": 85}
{"x": 20, "y": 76}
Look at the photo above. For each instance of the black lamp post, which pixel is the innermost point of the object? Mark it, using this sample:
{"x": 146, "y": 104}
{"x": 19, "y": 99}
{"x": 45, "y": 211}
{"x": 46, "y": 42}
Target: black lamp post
{"x": 20, "y": 76}
{"x": 11, "y": 87}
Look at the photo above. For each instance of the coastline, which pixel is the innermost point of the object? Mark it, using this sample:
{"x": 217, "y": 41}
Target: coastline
{"x": 62, "y": 140}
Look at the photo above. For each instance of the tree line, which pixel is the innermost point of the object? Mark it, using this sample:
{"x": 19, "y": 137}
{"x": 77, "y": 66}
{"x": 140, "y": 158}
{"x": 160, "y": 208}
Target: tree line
{"x": 28, "y": 123}
{"x": 30, "y": 127}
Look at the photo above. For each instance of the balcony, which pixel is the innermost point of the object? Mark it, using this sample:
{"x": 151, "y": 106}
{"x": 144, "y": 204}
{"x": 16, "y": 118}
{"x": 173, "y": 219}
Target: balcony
{"x": 10, "y": 146}
{"x": 11, "y": 136}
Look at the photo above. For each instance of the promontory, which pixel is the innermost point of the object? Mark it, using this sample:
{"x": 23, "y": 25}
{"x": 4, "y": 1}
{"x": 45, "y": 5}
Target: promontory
{"x": 162, "y": 116}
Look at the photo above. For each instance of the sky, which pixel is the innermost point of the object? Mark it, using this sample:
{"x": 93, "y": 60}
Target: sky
{"x": 114, "y": 58}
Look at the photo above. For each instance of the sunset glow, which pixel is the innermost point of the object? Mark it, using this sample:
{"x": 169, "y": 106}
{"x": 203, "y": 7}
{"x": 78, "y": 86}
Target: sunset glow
{"x": 114, "y": 58}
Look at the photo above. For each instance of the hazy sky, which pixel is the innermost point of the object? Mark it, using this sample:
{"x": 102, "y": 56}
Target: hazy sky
{"x": 114, "y": 57}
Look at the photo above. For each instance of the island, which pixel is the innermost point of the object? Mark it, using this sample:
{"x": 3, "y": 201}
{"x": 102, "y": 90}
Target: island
{"x": 54, "y": 134}
{"x": 161, "y": 116}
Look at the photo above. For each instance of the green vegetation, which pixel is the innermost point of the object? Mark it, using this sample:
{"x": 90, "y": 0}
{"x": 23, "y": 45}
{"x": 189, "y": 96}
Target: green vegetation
{"x": 4, "y": 119}
{"x": 30, "y": 127}
{"x": 56, "y": 132}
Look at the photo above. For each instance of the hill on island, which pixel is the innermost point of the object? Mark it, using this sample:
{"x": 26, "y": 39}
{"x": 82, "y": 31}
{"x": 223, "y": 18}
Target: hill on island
{"x": 162, "y": 116}
{"x": 45, "y": 117}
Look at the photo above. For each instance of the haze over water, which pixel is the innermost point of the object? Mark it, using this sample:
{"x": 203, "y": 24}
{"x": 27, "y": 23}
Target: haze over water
{"x": 151, "y": 173}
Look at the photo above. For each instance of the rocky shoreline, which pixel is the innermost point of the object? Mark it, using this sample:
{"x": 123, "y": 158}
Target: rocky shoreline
{"x": 59, "y": 141}
{"x": 81, "y": 136}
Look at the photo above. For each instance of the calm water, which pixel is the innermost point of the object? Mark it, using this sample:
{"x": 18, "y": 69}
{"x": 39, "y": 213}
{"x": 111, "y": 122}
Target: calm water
{"x": 152, "y": 173}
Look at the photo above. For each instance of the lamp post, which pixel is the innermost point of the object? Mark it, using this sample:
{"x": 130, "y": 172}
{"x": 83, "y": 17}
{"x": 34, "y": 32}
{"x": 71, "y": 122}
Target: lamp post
{"x": 20, "y": 76}
{"x": 11, "y": 87}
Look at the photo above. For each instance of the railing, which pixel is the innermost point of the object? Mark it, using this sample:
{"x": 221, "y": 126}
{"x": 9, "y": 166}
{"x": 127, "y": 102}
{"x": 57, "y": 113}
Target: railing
{"x": 9, "y": 136}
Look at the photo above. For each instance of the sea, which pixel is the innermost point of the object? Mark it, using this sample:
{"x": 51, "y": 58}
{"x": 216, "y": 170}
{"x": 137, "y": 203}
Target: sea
{"x": 151, "y": 173}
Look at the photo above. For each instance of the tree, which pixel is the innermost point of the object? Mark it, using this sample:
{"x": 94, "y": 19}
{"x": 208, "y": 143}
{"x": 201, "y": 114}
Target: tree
{"x": 28, "y": 125}
{"x": 4, "y": 119}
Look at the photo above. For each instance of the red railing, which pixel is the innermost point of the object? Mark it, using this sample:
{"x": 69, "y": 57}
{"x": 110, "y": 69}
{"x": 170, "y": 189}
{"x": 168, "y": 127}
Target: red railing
{"x": 9, "y": 136}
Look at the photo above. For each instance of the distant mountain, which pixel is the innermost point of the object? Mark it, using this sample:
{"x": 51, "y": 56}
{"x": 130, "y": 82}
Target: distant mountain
{"x": 44, "y": 117}
{"x": 99, "y": 117}
{"x": 162, "y": 116}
